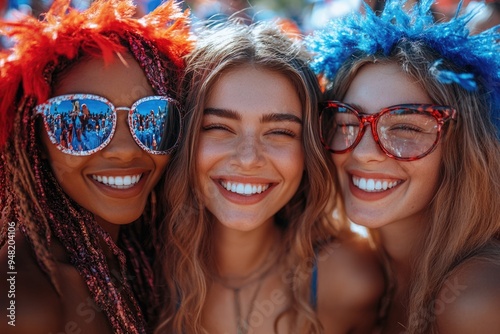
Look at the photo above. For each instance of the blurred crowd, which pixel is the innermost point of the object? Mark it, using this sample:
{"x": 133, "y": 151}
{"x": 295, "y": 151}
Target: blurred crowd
{"x": 303, "y": 16}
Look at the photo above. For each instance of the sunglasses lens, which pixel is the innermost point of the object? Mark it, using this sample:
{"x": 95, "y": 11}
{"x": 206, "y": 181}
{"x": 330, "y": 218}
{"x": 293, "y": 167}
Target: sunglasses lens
{"x": 155, "y": 124}
{"x": 339, "y": 128}
{"x": 407, "y": 133}
{"x": 78, "y": 125}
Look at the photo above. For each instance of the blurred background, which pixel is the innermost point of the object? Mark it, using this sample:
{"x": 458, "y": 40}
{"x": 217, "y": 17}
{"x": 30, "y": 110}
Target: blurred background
{"x": 304, "y": 15}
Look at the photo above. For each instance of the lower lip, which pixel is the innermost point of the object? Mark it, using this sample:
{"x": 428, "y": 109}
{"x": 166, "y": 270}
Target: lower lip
{"x": 243, "y": 199}
{"x": 133, "y": 191}
{"x": 370, "y": 196}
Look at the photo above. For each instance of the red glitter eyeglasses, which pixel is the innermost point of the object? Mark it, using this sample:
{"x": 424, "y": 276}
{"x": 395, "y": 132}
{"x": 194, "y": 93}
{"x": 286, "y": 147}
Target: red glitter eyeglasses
{"x": 403, "y": 132}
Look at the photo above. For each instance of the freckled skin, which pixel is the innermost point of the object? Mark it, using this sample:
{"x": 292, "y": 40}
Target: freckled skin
{"x": 409, "y": 202}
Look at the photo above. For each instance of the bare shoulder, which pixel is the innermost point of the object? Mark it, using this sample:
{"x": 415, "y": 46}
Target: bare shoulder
{"x": 350, "y": 286}
{"x": 469, "y": 301}
{"x": 350, "y": 270}
{"x": 32, "y": 304}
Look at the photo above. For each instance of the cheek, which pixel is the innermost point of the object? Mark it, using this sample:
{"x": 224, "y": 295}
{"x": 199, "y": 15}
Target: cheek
{"x": 338, "y": 159}
{"x": 207, "y": 156}
{"x": 62, "y": 164}
{"x": 424, "y": 177}
{"x": 428, "y": 168}
{"x": 291, "y": 161}
{"x": 160, "y": 162}
{"x": 212, "y": 152}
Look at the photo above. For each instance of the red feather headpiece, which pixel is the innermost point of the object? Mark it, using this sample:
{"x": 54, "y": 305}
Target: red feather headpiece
{"x": 106, "y": 28}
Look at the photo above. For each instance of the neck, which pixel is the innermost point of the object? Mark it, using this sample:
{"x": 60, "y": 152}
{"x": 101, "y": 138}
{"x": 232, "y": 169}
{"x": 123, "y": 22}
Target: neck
{"x": 112, "y": 229}
{"x": 399, "y": 240}
{"x": 241, "y": 253}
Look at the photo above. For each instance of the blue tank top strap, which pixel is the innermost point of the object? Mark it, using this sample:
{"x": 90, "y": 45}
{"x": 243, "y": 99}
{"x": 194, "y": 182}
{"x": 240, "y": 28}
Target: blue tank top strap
{"x": 314, "y": 285}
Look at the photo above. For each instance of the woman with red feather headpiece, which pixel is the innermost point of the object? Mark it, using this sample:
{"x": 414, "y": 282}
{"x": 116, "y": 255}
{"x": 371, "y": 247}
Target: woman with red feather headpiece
{"x": 77, "y": 172}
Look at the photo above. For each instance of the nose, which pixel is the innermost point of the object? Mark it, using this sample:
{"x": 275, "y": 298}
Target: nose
{"x": 122, "y": 146}
{"x": 248, "y": 153}
{"x": 368, "y": 149}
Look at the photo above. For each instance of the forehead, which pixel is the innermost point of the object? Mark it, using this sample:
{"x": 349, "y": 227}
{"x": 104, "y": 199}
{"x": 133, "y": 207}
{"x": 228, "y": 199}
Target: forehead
{"x": 377, "y": 86}
{"x": 249, "y": 89}
{"x": 122, "y": 81}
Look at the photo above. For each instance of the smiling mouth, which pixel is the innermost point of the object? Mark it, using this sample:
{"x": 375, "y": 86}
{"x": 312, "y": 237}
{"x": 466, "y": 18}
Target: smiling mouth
{"x": 246, "y": 189}
{"x": 118, "y": 182}
{"x": 374, "y": 185}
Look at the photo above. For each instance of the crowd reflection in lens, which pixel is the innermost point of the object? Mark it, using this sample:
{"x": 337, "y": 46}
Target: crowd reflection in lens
{"x": 82, "y": 126}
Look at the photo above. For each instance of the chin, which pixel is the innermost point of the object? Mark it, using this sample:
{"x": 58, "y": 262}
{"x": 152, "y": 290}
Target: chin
{"x": 122, "y": 219}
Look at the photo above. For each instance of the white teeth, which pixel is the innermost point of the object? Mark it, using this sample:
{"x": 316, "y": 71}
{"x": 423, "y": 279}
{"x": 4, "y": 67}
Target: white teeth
{"x": 118, "y": 182}
{"x": 372, "y": 185}
{"x": 244, "y": 188}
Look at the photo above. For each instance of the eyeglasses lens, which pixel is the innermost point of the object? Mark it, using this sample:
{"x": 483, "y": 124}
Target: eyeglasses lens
{"x": 407, "y": 133}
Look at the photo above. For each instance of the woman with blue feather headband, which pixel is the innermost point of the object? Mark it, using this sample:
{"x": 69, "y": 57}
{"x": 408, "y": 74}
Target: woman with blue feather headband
{"x": 412, "y": 117}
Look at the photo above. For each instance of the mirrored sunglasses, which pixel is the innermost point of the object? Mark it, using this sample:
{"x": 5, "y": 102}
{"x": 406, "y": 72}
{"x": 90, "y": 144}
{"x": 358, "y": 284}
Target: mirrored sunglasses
{"x": 82, "y": 124}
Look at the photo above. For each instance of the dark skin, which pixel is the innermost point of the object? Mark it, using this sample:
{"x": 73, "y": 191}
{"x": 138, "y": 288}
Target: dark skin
{"x": 39, "y": 307}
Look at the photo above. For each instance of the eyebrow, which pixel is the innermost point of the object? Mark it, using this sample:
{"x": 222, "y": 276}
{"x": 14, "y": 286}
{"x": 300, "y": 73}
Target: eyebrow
{"x": 226, "y": 113}
{"x": 267, "y": 118}
{"x": 280, "y": 117}
{"x": 356, "y": 107}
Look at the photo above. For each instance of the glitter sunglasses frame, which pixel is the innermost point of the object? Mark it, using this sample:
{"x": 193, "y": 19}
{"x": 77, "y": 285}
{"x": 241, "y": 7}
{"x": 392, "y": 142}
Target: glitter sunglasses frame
{"x": 44, "y": 109}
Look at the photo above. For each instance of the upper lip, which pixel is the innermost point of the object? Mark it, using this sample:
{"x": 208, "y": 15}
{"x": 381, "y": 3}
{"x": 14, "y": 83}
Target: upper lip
{"x": 125, "y": 175}
{"x": 370, "y": 184}
{"x": 244, "y": 185}
{"x": 373, "y": 175}
{"x": 119, "y": 171}
{"x": 244, "y": 188}
{"x": 118, "y": 180}
{"x": 374, "y": 181}
{"x": 243, "y": 179}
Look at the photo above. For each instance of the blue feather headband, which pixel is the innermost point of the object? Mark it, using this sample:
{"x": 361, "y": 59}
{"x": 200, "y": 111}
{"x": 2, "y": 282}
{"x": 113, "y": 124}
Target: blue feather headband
{"x": 369, "y": 34}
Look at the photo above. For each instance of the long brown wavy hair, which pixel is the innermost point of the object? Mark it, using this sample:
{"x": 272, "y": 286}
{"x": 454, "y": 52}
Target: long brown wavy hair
{"x": 186, "y": 260}
{"x": 464, "y": 214}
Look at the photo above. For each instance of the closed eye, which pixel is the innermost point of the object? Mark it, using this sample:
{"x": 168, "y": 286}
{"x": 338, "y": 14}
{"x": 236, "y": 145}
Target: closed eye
{"x": 284, "y": 132}
{"x": 405, "y": 127}
{"x": 216, "y": 127}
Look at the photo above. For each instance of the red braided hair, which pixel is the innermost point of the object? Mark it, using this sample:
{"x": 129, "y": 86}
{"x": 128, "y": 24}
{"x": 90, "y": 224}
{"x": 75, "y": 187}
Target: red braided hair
{"x": 29, "y": 192}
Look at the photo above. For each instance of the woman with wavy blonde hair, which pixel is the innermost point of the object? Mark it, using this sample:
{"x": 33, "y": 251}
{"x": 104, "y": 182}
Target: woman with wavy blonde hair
{"x": 77, "y": 179}
{"x": 412, "y": 117}
{"x": 249, "y": 244}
